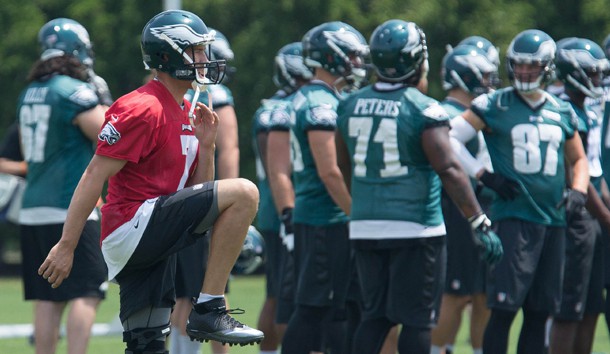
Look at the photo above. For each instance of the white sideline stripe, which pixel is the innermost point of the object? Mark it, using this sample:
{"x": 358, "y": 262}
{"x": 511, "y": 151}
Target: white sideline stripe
{"x": 26, "y": 330}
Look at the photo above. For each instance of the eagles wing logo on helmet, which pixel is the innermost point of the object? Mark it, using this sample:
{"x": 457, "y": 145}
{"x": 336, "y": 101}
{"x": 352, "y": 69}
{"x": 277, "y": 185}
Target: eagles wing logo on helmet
{"x": 576, "y": 56}
{"x": 109, "y": 134}
{"x": 81, "y": 33}
{"x": 294, "y": 64}
{"x": 346, "y": 39}
{"x": 476, "y": 63}
{"x": 182, "y": 34}
{"x": 413, "y": 45}
{"x": 223, "y": 48}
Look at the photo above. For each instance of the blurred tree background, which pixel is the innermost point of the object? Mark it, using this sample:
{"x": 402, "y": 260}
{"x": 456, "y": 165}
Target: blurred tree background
{"x": 257, "y": 29}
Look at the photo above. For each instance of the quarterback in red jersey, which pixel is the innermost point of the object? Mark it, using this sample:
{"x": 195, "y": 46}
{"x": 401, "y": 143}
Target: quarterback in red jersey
{"x": 157, "y": 154}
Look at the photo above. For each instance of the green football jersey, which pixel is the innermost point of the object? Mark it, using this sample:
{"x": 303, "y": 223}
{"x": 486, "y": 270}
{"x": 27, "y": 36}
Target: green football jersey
{"x": 589, "y": 124}
{"x": 392, "y": 179}
{"x": 527, "y": 145}
{"x": 315, "y": 107}
{"x": 267, "y": 217}
{"x": 56, "y": 150}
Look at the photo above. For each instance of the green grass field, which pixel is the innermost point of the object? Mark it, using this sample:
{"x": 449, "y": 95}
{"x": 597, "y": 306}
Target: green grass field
{"x": 246, "y": 293}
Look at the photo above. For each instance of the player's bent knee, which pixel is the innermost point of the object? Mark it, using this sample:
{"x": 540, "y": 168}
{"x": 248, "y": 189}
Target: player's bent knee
{"x": 250, "y": 190}
{"x": 238, "y": 191}
{"x": 146, "y": 340}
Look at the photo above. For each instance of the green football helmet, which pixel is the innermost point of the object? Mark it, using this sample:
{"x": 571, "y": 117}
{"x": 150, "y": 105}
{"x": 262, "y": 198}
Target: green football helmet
{"x": 581, "y": 64}
{"x": 64, "y": 36}
{"x": 531, "y": 46}
{"x": 467, "y": 67}
{"x": 338, "y": 48}
{"x": 289, "y": 67}
{"x": 399, "y": 51}
{"x": 168, "y": 44}
{"x": 491, "y": 51}
{"x": 252, "y": 255}
{"x": 485, "y": 45}
{"x": 221, "y": 50}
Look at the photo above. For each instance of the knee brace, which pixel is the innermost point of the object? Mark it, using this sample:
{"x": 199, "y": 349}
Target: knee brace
{"x": 146, "y": 340}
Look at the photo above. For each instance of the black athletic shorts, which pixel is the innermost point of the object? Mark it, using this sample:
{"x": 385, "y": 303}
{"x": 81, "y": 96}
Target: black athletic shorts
{"x": 287, "y": 282}
{"x": 189, "y": 276}
{"x": 148, "y": 278}
{"x": 273, "y": 247}
{"x": 402, "y": 283}
{"x": 583, "y": 270}
{"x": 323, "y": 265}
{"x": 606, "y": 256}
{"x": 530, "y": 273}
{"x": 88, "y": 274}
{"x": 190, "y": 268}
{"x": 466, "y": 270}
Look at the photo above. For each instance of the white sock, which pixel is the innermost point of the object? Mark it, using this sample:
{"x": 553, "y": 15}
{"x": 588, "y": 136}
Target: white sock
{"x": 188, "y": 346}
{"x": 174, "y": 340}
{"x": 434, "y": 349}
{"x": 477, "y": 351}
{"x": 207, "y": 297}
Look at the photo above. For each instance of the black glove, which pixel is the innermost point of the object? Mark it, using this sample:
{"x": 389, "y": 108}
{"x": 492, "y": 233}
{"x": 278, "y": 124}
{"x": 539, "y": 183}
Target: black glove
{"x": 486, "y": 239}
{"x": 287, "y": 229}
{"x": 574, "y": 201}
{"x": 505, "y": 187}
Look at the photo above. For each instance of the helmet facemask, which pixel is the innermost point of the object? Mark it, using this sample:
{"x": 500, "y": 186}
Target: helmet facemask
{"x": 534, "y": 48}
{"x": 289, "y": 70}
{"x": 587, "y": 81}
{"x": 470, "y": 69}
{"x": 351, "y": 64}
{"x": 339, "y": 49}
{"x": 586, "y": 74}
{"x": 531, "y": 81}
{"x": 199, "y": 71}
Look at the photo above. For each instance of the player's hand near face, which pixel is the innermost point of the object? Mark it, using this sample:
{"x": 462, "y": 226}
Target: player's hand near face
{"x": 206, "y": 125}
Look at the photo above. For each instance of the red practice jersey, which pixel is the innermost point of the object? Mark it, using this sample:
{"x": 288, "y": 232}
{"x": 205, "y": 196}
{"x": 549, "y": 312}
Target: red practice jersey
{"x": 152, "y": 132}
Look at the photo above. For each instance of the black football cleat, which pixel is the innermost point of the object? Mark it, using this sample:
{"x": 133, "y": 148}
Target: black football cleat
{"x": 211, "y": 320}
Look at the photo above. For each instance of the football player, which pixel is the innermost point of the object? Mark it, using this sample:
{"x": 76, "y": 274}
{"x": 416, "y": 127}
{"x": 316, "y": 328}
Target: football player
{"x": 336, "y": 52}
{"x": 530, "y": 135}
{"x": 581, "y": 65}
{"x": 157, "y": 154}
{"x": 59, "y": 116}
{"x": 272, "y": 148}
{"x": 393, "y": 149}
{"x": 467, "y": 72}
